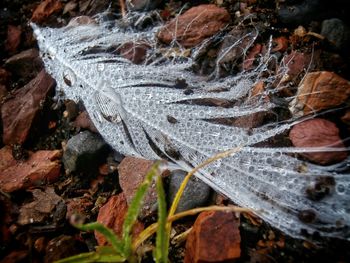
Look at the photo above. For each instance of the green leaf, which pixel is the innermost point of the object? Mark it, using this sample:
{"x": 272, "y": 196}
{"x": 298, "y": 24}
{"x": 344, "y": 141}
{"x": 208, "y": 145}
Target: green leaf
{"x": 162, "y": 244}
{"x": 134, "y": 208}
{"x": 102, "y": 254}
{"x": 107, "y": 233}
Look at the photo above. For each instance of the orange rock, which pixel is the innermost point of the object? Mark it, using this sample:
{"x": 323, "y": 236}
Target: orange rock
{"x": 46, "y": 9}
{"x": 132, "y": 171}
{"x": 40, "y": 168}
{"x": 318, "y": 133}
{"x": 319, "y": 91}
{"x": 195, "y": 25}
{"x": 215, "y": 237}
{"x": 281, "y": 44}
{"x": 135, "y": 52}
{"x": 112, "y": 215}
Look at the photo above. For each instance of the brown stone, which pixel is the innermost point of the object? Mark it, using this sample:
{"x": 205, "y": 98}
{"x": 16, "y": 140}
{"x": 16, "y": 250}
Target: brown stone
{"x": 18, "y": 112}
{"x": 253, "y": 53}
{"x": 132, "y": 171}
{"x": 318, "y": 133}
{"x": 4, "y": 76}
{"x": 78, "y": 209}
{"x": 215, "y": 237}
{"x": 40, "y": 168}
{"x": 297, "y": 63}
{"x": 195, "y": 25}
{"x": 83, "y": 121}
{"x": 13, "y": 38}
{"x": 112, "y": 215}
{"x": 135, "y": 52}
{"x": 41, "y": 208}
{"x": 26, "y": 64}
{"x": 16, "y": 256}
{"x": 320, "y": 91}
{"x": 280, "y": 44}
{"x": 45, "y": 9}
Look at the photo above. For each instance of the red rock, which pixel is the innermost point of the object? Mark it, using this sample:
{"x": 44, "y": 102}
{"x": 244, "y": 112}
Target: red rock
{"x": 3, "y": 93}
{"x": 18, "y": 112}
{"x": 40, "y": 168}
{"x": 4, "y": 76}
{"x": 16, "y": 256}
{"x": 135, "y": 52}
{"x": 319, "y": 91}
{"x": 297, "y": 63}
{"x": 195, "y": 25}
{"x": 214, "y": 237}
{"x": 40, "y": 208}
{"x": 281, "y": 44}
{"x": 26, "y": 64}
{"x": 45, "y": 9}
{"x": 13, "y": 38}
{"x": 132, "y": 171}
{"x": 318, "y": 133}
{"x": 346, "y": 118}
{"x": 83, "y": 121}
{"x": 112, "y": 215}
{"x": 253, "y": 52}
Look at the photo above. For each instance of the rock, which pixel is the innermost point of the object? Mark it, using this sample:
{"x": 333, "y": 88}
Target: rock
{"x": 13, "y": 38}
{"x": 142, "y": 5}
{"x": 78, "y": 209}
{"x": 195, "y": 25}
{"x": 319, "y": 91}
{"x": 63, "y": 246}
{"x": 8, "y": 212}
{"x": 250, "y": 59}
{"x": 297, "y": 63}
{"x": 40, "y": 168}
{"x": 336, "y": 32}
{"x": 71, "y": 111}
{"x": 135, "y": 52}
{"x": 26, "y": 64}
{"x": 318, "y": 133}
{"x": 214, "y": 237}
{"x": 83, "y": 121}
{"x": 280, "y": 44}
{"x": 112, "y": 215}
{"x": 5, "y": 76}
{"x": 45, "y": 9}
{"x": 196, "y": 193}
{"x": 346, "y": 118}
{"x": 17, "y": 121}
{"x": 41, "y": 208}
{"x": 84, "y": 152}
{"x": 3, "y": 93}
{"x": 16, "y": 256}
{"x": 132, "y": 171}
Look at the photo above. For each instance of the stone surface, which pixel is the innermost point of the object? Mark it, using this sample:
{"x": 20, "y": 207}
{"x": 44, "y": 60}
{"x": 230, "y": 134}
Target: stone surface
{"x": 337, "y": 32}
{"x": 40, "y": 168}
{"x": 196, "y": 193}
{"x": 135, "y": 52}
{"x": 214, "y": 237}
{"x": 297, "y": 62}
{"x": 26, "y": 64}
{"x": 5, "y": 76}
{"x": 320, "y": 91}
{"x": 78, "y": 209}
{"x": 19, "y": 111}
{"x": 16, "y": 256}
{"x": 13, "y": 38}
{"x": 84, "y": 152}
{"x": 45, "y": 9}
{"x": 41, "y": 208}
{"x": 83, "y": 121}
{"x": 63, "y": 246}
{"x": 195, "y": 25}
{"x": 142, "y": 5}
{"x": 112, "y": 215}
{"x": 317, "y": 133}
{"x": 132, "y": 172}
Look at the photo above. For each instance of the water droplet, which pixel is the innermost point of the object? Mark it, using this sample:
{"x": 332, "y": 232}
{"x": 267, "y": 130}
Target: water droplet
{"x": 100, "y": 67}
{"x": 69, "y": 77}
